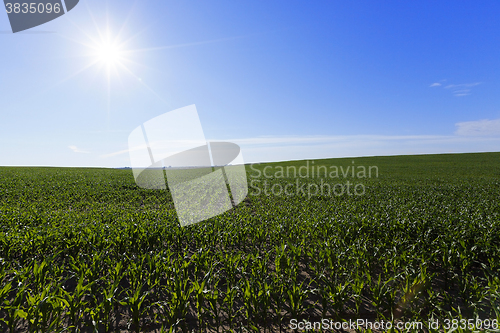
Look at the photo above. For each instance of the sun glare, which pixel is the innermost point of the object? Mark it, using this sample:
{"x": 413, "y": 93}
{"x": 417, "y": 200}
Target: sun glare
{"x": 109, "y": 54}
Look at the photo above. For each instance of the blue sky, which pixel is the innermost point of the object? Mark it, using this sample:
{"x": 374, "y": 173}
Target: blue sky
{"x": 284, "y": 79}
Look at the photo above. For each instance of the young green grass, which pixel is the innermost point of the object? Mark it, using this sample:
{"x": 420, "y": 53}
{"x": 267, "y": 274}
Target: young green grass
{"x": 85, "y": 249}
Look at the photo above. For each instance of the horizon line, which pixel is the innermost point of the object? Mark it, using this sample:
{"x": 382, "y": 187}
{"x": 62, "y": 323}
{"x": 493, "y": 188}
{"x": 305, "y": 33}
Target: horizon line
{"x": 251, "y": 163}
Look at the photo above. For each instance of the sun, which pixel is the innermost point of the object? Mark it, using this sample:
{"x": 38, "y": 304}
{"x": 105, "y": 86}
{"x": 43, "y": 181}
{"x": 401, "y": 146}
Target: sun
{"x": 109, "y": 53}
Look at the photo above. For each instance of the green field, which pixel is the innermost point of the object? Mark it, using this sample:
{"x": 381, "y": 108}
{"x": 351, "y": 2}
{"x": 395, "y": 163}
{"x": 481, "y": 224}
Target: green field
{"x": 85, "y": 249}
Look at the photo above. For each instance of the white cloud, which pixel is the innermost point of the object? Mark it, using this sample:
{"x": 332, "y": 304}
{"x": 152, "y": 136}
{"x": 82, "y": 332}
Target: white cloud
{"x": 463, "y": 85}
{"x": 458, "y": 90}
{"x": 120, "y": 152}
{"x": 159, "y": 145}
{"x": 77, "y": 150}
{"x": 461, "y": 92}
{"x": 269, "y": 149}
{"x": 463, "y": 89}
{"x": 307, "y": 140}
{"x": 283, "y": 148}
{"x": 484, "y": 127}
